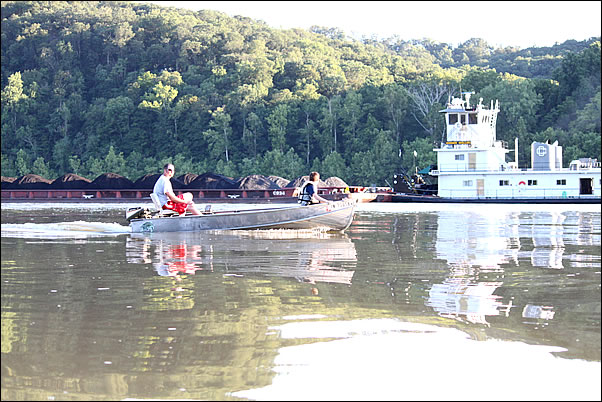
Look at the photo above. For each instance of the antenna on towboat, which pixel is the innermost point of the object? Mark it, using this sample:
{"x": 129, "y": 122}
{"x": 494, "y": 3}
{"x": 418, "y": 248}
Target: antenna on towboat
{"x": 467, "y": 97}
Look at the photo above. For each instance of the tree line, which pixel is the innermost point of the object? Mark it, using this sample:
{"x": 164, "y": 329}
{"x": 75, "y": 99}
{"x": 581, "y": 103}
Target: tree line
{"x": 94, "y": 87}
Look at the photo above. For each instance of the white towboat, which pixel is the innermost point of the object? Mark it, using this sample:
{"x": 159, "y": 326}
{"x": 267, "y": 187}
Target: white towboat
{"x": 472, "y": 166}
{"x": 334, "y": 216}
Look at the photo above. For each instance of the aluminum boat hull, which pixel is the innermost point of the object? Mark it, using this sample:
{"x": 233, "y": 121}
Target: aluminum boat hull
{"x": 336, "y": 216}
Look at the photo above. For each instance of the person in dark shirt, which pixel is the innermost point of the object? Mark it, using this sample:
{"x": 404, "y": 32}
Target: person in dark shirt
{"x": 309, "y": 191}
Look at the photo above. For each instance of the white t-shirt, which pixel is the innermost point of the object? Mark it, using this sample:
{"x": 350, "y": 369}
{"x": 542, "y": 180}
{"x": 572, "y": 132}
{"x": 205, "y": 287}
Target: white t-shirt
{"x": 162, "y": 186}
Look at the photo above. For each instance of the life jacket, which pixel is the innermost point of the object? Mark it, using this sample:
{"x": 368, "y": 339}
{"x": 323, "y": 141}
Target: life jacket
{"x": 305, "y": 198}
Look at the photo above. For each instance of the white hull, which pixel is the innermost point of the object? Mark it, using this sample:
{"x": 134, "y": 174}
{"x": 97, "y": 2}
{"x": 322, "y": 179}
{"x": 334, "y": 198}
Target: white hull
{"x": 521, "y": 184}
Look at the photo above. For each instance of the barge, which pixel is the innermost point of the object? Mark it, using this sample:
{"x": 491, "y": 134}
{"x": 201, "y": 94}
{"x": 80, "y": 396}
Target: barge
{"x": 283, "y": 195}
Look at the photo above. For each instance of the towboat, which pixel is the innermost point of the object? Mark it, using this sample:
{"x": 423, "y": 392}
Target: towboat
{"x": 472, "y": 166}
{"x": 332, "y": 216}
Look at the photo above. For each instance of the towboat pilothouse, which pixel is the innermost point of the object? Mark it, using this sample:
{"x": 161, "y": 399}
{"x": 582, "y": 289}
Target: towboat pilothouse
{"x": 472, "y": 166}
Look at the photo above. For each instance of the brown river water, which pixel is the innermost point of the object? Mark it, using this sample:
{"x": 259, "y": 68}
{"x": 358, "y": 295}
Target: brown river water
{"x": 413, "y": 301}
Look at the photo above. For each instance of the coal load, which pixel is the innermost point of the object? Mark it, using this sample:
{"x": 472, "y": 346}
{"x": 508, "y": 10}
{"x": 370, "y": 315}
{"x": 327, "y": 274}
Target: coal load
{"x": 298, "y": 182}
{"x": 187, "y": 178}
{"x": 111, "y": 181}
{"x": 280, "y": 181}
{"x": 7, "y": 182}
{"x": 146, "y": 182}
{"x": 334, "y": 181}
{"x": 256, "y": 182}
{"x": 212, "y": 181}
{"x": 70, "y": 181}
{"x": 29, "y": 182}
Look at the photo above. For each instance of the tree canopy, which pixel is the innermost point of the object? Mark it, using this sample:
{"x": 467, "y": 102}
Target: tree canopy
{"x": 90, "y": 87}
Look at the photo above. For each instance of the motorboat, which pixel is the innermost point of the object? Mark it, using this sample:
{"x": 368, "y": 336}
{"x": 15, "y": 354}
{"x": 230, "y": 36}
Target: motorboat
{"x": 332, "y": 216}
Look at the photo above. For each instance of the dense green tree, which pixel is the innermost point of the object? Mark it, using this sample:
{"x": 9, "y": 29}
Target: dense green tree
{"x": 84, "y": 80}
{"x": 21, "y": 163}
{"x": 277, "y": 126}
{"x": 114, "y": 162}
{"x": 519, "y": 103}
{"x": 425, "y": 156}
{"x": 219, "y": 134}
{"x": 13, "y": 104}
{"x": 334, "y": 165}
{"x": 41, "y": 168}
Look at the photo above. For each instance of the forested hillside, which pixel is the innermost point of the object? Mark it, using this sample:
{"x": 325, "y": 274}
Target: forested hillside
{"x": 94, "y": 87}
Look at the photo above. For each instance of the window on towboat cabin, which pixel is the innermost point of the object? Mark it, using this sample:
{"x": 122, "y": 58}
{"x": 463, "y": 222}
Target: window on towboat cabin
{"x": 472, "y": 118}
{"x": 467, "y": 183}
{"x": 532, "y": 182}
{"x": 561, "y": 182}
{"x": 459, "y": 157}
{"x": 504, "y": 182}
{"x": 453, "y": 118}
{"x": 463, "y": 119}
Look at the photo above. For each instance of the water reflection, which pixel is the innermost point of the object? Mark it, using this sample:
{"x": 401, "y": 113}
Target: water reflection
{"x": 543, "y": 312}
{"x": 306, "y": 256}
{"x": 202, "y": 316}
{"x": 482, "y": 249}
{"x": 475, "y": 249}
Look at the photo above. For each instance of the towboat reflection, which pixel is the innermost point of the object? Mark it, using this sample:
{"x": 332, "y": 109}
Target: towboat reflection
{"x": 307, "y": 256}
{"x": 477, "y": 250}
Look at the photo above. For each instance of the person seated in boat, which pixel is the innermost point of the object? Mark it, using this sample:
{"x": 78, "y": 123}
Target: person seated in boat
{"x": 182, "y": 203}
{"x": 309, "y": 191}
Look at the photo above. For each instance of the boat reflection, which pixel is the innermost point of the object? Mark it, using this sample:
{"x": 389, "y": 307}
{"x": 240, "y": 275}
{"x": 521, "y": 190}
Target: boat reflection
{"x": 477, "y": 250}
{"x": 551, "y": 233}
{"x": 533, "y": 311}
{"x": 467, "y": 299}
{"x": 546, "y": 232}
{"x": 307, "y": 256}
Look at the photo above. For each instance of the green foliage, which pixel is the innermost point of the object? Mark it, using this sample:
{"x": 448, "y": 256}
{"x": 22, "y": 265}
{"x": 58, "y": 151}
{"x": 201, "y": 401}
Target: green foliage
{"x": 21, "y": 164}
{"x": 334, "y": 165}
{"x": 41, "y": 168}
{"x": 286, "y": 165}
{"x": 218, "y": 135}
{"x": 425, "y": 156}
{"x": 277, "y": 122}
{"x": 92, "y": 87}
{"x": 114, "y": 162}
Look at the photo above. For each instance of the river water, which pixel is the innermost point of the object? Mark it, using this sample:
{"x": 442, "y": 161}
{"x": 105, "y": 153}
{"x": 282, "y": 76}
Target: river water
{"x": 413, "y": 301}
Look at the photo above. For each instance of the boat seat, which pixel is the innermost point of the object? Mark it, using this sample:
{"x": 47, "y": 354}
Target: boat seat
{"x": 160, "y": 210}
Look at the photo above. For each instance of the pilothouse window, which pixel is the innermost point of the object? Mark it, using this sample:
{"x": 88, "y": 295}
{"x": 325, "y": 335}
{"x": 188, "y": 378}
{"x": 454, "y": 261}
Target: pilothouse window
{"x": 453, "y": 118}
{"x": 463, "y": 119}
{"x": 472, "y": 118}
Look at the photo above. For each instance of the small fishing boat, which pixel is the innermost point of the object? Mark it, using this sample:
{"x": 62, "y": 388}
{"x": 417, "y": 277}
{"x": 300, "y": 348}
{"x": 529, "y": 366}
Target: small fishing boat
{"x": 333, "y": 216}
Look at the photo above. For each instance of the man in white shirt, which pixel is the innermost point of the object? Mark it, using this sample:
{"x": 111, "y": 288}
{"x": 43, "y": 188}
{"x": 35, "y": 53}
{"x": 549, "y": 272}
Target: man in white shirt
{"x": 182, "y": 203}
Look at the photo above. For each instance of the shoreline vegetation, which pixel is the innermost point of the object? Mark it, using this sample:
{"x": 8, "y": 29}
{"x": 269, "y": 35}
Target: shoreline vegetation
{"x": 124, "y": 87}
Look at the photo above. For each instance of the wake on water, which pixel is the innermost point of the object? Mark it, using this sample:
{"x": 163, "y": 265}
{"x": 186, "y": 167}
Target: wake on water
{"x": 77, "y": 229}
